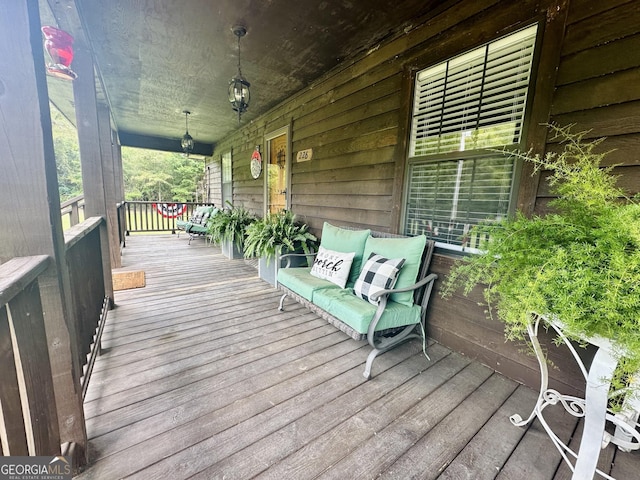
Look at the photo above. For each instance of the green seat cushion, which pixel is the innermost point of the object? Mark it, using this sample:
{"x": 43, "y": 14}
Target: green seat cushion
{"x": 302, "y": 282}
{"x": 182, "y": 224}
{"x": 198, "y": 229}
{"x": 358, "y": 313}
{"x": 346, "y": 241}
{"x": 409, "y": 248}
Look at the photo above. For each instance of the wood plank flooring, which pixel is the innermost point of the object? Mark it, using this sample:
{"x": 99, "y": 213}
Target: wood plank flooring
{"x": 203, "y": 378}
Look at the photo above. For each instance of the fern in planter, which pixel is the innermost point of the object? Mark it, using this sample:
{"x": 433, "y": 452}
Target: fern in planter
{"x": 579, "y": 264}
{"x": 278, "y": 233}
{"x": 229, "y": 225}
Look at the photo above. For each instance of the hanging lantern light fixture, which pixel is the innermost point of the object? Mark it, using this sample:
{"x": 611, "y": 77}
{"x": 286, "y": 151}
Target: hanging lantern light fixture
{"x": 239, "y": 94}
{"x": 59, "y": 46}
{"x": 187, "y": 140}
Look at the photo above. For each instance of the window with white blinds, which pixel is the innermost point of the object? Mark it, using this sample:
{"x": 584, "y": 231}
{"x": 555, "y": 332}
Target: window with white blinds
{"x": 445, "y": 199}
{"x": 476, "y": 100}
{"x": 469, "y": 103}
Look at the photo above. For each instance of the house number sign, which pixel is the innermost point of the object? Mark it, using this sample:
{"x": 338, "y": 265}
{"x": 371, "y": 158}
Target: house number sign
{"x": 304, "y": 155}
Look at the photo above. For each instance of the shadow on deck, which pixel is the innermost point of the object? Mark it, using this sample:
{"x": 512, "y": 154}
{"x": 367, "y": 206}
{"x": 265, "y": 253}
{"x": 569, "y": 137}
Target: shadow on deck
{"x": 204, "y": 378}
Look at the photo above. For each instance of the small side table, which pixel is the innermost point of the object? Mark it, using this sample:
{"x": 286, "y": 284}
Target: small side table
{"x": 594, "y": 407}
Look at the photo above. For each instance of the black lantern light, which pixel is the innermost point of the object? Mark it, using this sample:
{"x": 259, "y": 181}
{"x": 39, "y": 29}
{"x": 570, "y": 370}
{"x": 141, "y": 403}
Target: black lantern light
{"x": 239, "y": 94}
{"x": 187, "y": 140}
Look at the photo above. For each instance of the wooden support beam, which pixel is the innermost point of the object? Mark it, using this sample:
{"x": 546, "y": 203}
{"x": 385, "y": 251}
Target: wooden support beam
{"x": 553, "y": 35}
{"x": 95, "y": 155}
{"x": 29, "y": 185}
{"x": 110, "y": 183}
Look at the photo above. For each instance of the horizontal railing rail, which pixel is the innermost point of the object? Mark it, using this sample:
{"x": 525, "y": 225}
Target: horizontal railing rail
{"x": 29, "y": 414}
{"x": 157, "y": 216}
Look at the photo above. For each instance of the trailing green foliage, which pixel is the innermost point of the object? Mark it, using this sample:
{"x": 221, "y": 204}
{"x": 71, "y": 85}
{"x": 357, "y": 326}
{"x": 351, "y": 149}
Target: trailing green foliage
{"x": 275, "y": 231}
{"x": 230, "y": 225}
{"x": 579, "y": 264}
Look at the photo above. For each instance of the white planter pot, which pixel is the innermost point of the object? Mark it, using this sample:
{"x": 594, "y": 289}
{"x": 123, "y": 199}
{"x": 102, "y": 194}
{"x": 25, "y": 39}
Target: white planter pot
{"x": 268, "y": 269}
{"x": 231, "y": 251}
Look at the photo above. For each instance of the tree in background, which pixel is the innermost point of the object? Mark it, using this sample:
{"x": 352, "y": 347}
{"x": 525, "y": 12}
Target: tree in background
{"x": 65, "y": 145}
{"x": 148, "y": 174}
{"x": 160, "y": 176}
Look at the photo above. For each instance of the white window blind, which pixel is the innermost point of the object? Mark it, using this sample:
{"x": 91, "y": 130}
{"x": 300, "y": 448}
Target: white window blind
{"x": 475, "y": 100}
{"x": 469, "y": 103}
{"x": 445, "y": 199}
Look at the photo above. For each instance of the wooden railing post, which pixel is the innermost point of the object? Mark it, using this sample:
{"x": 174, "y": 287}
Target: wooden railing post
{"x": 72, "y": 208}
{"x": 14, "y": 440}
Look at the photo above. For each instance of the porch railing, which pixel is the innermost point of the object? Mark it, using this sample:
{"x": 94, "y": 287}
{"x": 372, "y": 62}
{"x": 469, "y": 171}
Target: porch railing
{"x": 90, "y": 304}
{"x": 157, "y": 216}
{"x": 72, "y": 211}
{"x": 29, "y": 413}
{"x": 26, "y": 379}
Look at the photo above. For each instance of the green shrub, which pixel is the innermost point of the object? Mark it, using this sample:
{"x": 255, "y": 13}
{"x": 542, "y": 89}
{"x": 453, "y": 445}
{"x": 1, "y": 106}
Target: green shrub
{"x": 266, "y": 235}
{"x": 229, "y": 225}
{"x": 579, "y": 264}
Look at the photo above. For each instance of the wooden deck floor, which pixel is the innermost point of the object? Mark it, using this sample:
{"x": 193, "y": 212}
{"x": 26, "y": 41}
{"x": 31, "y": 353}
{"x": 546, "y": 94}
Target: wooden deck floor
{"x": 204, "y": 378}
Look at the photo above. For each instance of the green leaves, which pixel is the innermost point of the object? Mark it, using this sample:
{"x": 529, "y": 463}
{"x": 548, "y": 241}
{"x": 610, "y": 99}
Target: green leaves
{"x": 265, "y": 236}
{"x": 230, "y": 225}
{"x": 580, "y": 264}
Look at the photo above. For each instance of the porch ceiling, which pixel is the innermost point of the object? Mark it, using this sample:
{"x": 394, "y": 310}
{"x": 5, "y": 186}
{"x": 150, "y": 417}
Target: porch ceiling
{"x": 156, "y": 58}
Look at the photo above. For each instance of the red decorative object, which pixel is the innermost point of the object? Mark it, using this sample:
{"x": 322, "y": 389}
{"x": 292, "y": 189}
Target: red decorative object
{"x": 170, "y": 210}
{"x": 59, "y": 45}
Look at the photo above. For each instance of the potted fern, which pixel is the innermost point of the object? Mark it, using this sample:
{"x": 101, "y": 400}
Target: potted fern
{"x": 274, "y": 235}
{"x": 579, "y": 264}
{"x": 227, "y": 229}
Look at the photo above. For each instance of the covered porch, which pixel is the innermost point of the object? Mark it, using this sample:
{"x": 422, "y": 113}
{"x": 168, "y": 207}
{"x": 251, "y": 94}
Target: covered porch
{"x": 202, "y": 377}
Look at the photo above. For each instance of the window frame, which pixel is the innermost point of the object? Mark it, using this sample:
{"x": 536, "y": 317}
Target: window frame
{"x": 226, "y": 168}
{"x": 477, "y": 153}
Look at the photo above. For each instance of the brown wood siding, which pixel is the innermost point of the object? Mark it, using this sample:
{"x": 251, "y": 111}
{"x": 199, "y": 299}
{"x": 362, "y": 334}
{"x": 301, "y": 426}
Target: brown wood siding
{"x": 352, "y": 119}
{"x": 598, "y": 87}
{"x": 355, "y": 119}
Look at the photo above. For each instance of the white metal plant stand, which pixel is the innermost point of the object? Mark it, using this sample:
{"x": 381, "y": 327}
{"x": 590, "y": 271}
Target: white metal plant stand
{"x": 594, "y": 407}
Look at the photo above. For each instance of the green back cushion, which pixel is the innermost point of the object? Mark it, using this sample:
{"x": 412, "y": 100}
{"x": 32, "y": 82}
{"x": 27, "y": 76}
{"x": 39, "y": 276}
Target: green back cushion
{"x": 411, "y": 249}
{"x": 346, "y": 241}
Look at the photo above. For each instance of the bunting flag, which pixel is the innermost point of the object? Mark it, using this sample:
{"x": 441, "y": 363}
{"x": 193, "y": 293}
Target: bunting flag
{"x": 170, "y": 210}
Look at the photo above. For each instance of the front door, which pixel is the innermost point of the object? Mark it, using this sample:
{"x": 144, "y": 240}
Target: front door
{"x": 277, "y": 174}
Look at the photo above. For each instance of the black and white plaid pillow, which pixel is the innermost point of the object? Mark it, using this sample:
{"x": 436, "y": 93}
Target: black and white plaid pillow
{"x": 378, "y": 273}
